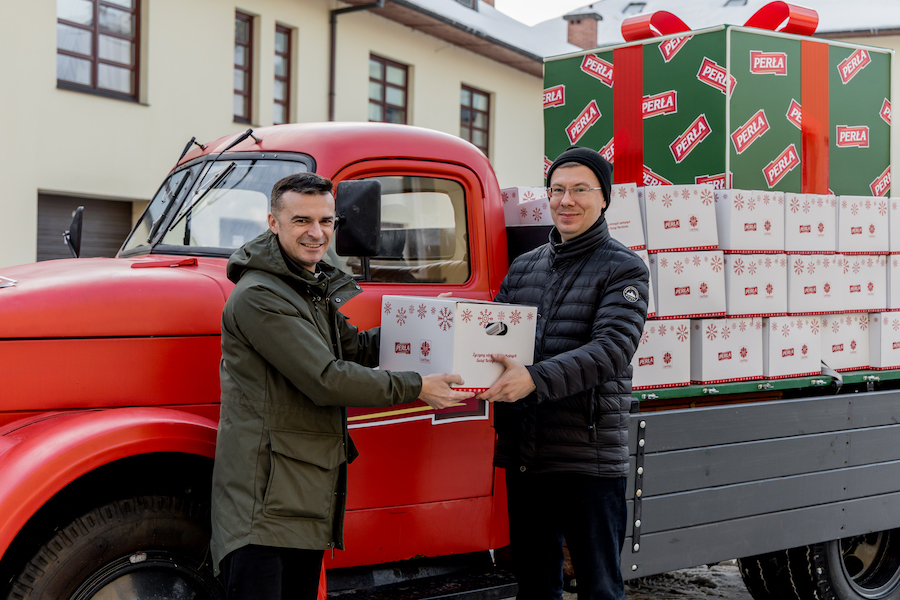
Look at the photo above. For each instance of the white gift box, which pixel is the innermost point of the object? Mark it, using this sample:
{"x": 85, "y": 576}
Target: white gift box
{"x": 894, "y": 229}
{"x": 809, "y": 223}
{"x": 535, "y": 212}
{"x": 688, "y": 284}
{"x": 750, "y": 221}
{"x": 865, "y": 281}
{"x": 893, "y": 282}
{"x": 884, "y": 341}
{"x": 623, "y": 216}
{"x": 511, "y": 198}
{"x": 726, "y": 350}
{"x": 792, "y": 347}
{"x": 845, "y": 341}
{"x": 680, "y": 218}
{"x": 755, "y": 285}
{"x": 651, "y": 301}
{"x": 454, "y": 335}
{"x": 815, "y": 284}
{"x": 663, "y": 357}
{"x": 862, "y": 225}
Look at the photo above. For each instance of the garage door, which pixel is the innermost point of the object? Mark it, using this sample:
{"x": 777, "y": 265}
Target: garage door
{"x": 106, "y": 225}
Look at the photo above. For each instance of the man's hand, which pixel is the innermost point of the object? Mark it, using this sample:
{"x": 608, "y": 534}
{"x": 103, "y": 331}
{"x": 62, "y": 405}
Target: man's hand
{"x": 514, "y": 384}
{"x": 437, "y": 393}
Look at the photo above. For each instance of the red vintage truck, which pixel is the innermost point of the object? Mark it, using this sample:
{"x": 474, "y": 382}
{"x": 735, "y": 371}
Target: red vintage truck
{"x": 109, "y": 392}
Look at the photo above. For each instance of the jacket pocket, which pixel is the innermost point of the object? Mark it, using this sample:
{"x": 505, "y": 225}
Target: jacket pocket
{"x": 304, "y": 473}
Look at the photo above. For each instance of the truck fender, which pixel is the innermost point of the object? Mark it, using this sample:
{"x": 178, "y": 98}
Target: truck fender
{"x": 39, "y": 459}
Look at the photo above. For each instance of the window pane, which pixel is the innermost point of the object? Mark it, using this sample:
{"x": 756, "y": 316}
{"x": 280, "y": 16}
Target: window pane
{"x": 114, "y": 78}
{"x": 395, "y": 96}
{"x": 73, "y": 39}
{"x": 396, "y": 75}
{"x": 116, "y": 21}
{"x": 392, "y": 115}
{"x": 465, "y": 97}
{"x": 480, "y": 121}
{"x": 465, "y": 115}
{"x": 376, "y": 69}
{"x": 465, "y": 133}
{"x": 77, "y": 11}
{"x": 479, "y": 138}
{"x": 280, "y": 66}
{"x": 374, "y": 112}
{"x": 240, "y": 106}
{"x": 240, "y": 80}
{"x": 124, "y": 3}
{"x": 240, "y": 56}
{"x": 281, "y": 42}
{"x": 76, "y": 70}
{"x": 280, "y": 91}
{"x": 279, "y": 114}
{"x": 115, "y": 49}
{"x": 241, "y": 31}
{"x": 375, "y": 90}
{"x": 480, "y": 101}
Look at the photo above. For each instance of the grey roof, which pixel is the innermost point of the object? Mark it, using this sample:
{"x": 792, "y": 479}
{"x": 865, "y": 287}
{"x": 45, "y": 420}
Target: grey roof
{"x": 860, "y": 17}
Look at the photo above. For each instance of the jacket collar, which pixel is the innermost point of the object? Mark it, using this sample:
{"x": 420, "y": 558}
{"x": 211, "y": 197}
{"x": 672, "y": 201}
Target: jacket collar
{"x": 597, "y": 234}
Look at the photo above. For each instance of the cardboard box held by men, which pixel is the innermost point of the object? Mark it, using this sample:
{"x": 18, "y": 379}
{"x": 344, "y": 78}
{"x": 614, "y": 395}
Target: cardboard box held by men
{"x": 455, "y": 335}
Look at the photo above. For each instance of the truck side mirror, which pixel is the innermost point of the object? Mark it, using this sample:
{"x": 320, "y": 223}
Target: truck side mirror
{"x": 72, "y": 236}
{"x": 358, "y": 210}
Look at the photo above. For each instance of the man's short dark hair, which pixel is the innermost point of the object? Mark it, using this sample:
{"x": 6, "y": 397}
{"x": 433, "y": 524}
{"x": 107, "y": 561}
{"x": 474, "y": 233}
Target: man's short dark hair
{"x": 300, "y": 183}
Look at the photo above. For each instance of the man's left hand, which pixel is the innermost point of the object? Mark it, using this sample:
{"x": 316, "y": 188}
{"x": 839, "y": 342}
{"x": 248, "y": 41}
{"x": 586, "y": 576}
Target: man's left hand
{"x": 514, "y": 384}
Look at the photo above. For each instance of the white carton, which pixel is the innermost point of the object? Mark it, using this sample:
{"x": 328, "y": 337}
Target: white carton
{"x": 454, "y": 335}
{"x": 651, "y": 301}
{"x": 680, "y": 218}
{"x": 663, "y": 357}
{"x": 809, "y": 223}
{"x": 750, "y": 221}
{"x": 893, "y": 282}
{"x": 513, "y": 196}
{"x": 535, "y": 212}
{"x": 815, "y": 284}
{"x": 726, "y": 350}
{"x": 862, "y": 225}
{"x": 688, "y": 284}
{"x": 755, "y": 285}
{"x": 894, "y": 229}
{"x": 623, "y": 216}
{"x": 884, "y": 341}
{"x": 865, "y": 283}
{"x": 792, "y": 347}
{"x": 845, "y": 341}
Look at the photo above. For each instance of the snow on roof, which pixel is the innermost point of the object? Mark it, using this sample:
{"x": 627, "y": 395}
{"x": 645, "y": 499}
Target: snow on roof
{"x": 867, "y": 17}
{"x": 487, "y": 21}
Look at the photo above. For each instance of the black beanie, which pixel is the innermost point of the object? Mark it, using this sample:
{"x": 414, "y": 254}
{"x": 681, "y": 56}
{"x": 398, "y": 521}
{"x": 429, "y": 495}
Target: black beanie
{"x": 592, "y": 159}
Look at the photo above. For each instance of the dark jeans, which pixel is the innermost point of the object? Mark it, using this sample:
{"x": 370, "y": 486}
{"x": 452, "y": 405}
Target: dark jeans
{"x": 588, "y": 512}
{"x": 268, "y": 573}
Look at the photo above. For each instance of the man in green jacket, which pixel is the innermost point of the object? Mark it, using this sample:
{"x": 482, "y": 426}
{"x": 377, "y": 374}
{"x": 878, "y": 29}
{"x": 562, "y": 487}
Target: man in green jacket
{"x": 291, "y": 363}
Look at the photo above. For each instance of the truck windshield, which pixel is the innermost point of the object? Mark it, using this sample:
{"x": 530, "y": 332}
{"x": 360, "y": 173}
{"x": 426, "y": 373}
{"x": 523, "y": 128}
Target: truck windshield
{"x": 210, "y": 212}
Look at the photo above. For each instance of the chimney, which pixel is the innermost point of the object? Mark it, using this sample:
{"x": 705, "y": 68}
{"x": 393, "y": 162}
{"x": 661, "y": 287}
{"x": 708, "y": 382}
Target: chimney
{"x": 583, "y": 28}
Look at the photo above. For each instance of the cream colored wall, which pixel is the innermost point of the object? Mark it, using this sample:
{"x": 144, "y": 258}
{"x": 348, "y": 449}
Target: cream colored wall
{"x": 75, "y": 143}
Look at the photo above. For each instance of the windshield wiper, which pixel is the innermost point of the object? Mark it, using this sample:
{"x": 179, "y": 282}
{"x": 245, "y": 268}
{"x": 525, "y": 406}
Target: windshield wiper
{"x": 215, "y": 183}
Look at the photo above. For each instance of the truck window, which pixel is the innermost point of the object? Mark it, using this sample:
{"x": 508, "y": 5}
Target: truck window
{"x": 423, "y": 233}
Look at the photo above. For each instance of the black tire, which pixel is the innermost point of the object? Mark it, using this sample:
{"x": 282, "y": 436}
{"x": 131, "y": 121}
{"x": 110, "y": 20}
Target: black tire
{"x": 151, "y": 546}
{"x": 865, "y": 567}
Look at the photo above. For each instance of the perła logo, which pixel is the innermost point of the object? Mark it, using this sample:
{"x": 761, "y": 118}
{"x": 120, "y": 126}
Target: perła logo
{"x": 781, "y": 166}
{"x": 712, "y": 74}
{"x": 882, "y": 183}
{"x": 795, "y": 114}
{"x": 768, "y": 63}
{"x": 852, "y": 137}
{"x": 853, "y": 64}
{"x": 670, "y": 48}
{"x": 659, "y": 104}
{"x": 690, "y": 139}
{"x": 583, "y": 122}
{"x": 598, "y": 68}
{"x": 750, "y": 131}
{"x": 555, "y": 96}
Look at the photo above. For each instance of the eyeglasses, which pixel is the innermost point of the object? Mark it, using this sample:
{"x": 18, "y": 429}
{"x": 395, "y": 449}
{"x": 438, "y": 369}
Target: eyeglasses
{"x": 577, "y": 193}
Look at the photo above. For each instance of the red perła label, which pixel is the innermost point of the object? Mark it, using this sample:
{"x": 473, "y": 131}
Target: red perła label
{"x": 555, "y": 96}
{"x": 684, "y": 144}
{"x": 583, "y": 122}
{"x": 853, "y": 64}
{"x": 768, "y": 63}
{"x": 750, "y": 131}
{"x": 781, "y": 166}
{"x": 598, "y": 68}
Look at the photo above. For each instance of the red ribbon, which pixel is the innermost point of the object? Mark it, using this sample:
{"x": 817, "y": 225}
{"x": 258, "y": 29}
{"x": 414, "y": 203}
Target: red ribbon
{"x": 774, "y": 16}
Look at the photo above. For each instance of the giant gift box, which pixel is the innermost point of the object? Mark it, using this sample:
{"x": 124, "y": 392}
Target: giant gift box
{"x": 663, "y": 356}
{"x": 750, "y": 221}
{"x": 755, "y": 285}
{"x": 688, "y": 284}
{"x": 725, "y": 350}
{"x": 884, "y": 341}
{"x": 455, "y": 335}
{"x": 782, "y": 112}
{"x": 792, "y": 347}
{"x": 845, "y": 341}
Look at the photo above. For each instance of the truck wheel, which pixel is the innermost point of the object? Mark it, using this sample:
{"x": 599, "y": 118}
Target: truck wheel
{"x": 146, "y": 547}
{"x": 864, "y": 567}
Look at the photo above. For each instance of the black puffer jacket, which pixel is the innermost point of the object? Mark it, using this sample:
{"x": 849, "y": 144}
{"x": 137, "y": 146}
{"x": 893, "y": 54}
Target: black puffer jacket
{"x": 591, "y": 294}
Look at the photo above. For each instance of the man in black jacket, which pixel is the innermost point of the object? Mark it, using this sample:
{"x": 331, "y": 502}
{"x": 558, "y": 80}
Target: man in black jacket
{"x": 562, "y": 423}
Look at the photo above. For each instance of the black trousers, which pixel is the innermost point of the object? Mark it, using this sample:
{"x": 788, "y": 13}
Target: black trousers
{"x": 269, "y": 573}
{"x": 588, "y": 512}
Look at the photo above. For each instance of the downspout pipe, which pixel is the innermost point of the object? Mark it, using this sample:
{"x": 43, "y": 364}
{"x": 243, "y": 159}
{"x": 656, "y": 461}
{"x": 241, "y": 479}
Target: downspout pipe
{"x": 332, "y": 59}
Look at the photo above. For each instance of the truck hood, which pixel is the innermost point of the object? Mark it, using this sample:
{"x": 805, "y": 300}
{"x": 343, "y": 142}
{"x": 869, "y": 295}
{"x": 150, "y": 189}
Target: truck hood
{"x": 114, "y": 297}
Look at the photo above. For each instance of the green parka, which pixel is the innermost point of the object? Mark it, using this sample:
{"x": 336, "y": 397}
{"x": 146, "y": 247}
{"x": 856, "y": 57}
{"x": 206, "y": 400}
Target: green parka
{"x": 290, "y": 364}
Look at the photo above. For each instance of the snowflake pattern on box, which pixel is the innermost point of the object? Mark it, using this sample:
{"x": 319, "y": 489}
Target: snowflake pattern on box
{"x": 645, "y": 337}
{"x": 529, "y": 316}
{"x": 423, "y": 310}
{"x": 686, "y": 194}
{"x": 528, "y": 196}
{"x": 895, "y": 324}
{"x": 836, "y": 325}
{"x": 854, "y": 209}
{"x": 623, "y": 193}
{"x": 743, "y": 352}
{"x": 484, "y": 317}
{"x": 667, "y": 357}
{"x": 806, "y": 206}
{"x": 863, "y": 323}
{"x": 798, "y": 267}
{"x": 707, "y": 197}
{"x": 774, "y": 326}
{"x": 758, "y": 325}
{"x": 537, "y": 213}
{"x": 738, "y": 201}
{"x": 766, "y": 199}
{"x": 799, "y": 324}
{"x": 882, "y": 208}
{"x": 678, "y": 267}
{"x": 401, "y": 316}
{"x": 652, "y": 195}
{"x": 726, "y": 332}
{"x": 696, "y": 260}
{"x": 811, "y": 267}
{"x": 814, "y": 326}
{"x": 387, "y": 308}
{"x": 667, "y": 200}
{"x": 433, "y": 309}
{"x": 742, "y": 326}
{"x": 445, "y": 319}
{"x": 662, "y": 330}
{"x": 682, "y": 333}
{"x": 711, "y": 332}
{"x": 785, "y": 330}
{"x": 664, "y": 262}
{"x": 738, "y": 266}
{"x": 523, "y": 212}
{"x": 466, "y": 315}
{"x": 751, "y": 268}
{"x": 515, "y": 317}
{"x": 795, "y": 205}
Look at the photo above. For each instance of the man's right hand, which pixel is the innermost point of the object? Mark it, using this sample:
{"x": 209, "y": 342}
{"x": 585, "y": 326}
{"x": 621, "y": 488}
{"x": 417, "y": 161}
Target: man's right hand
{"x": 437, "y": 393}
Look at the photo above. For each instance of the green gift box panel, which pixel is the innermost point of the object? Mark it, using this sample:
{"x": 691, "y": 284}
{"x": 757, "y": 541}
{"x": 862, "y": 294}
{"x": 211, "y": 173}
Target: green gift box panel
{"x": 776, "y": 111}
